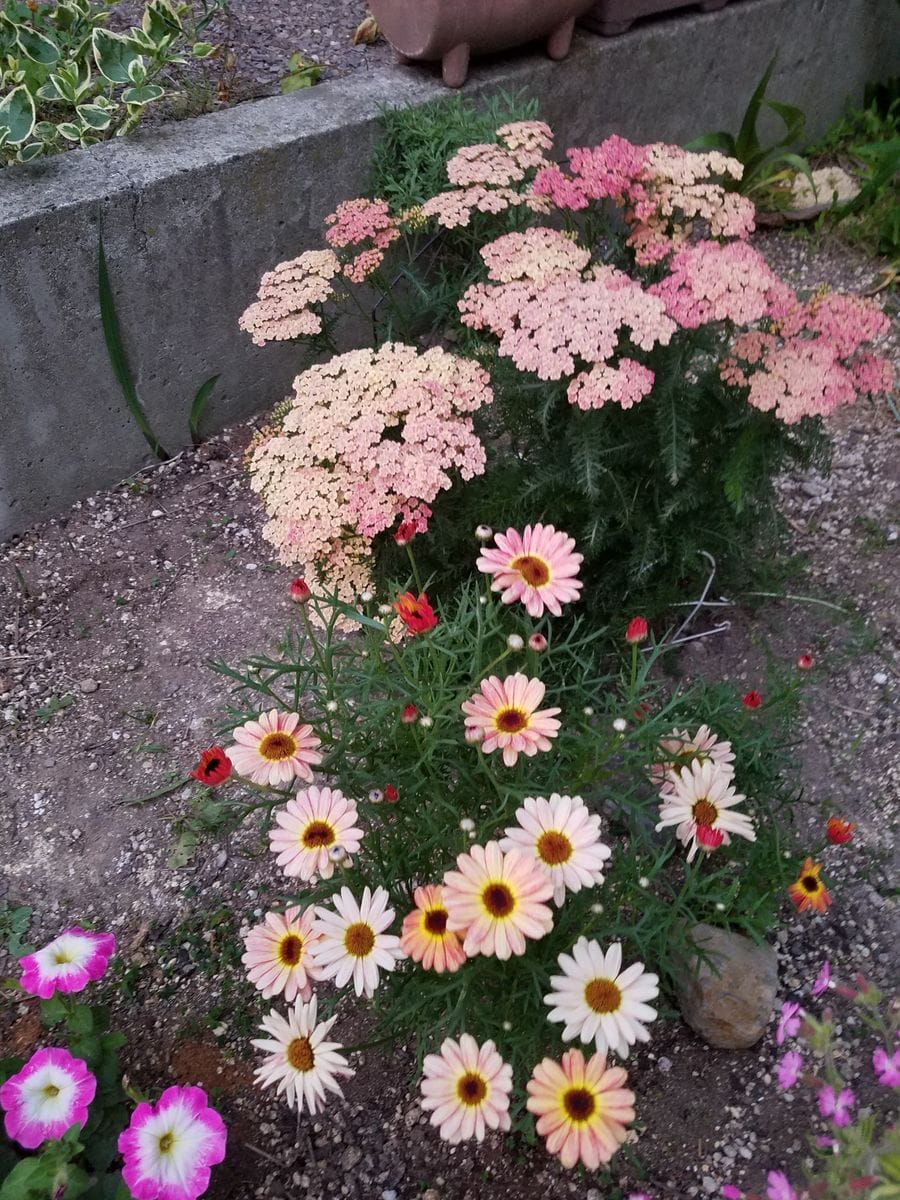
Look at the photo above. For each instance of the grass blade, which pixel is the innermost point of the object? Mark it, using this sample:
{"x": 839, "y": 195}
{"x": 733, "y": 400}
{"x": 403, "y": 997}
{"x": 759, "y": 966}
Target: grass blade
{"x": 203, "y": 394}
{"x": 112, "y": 335}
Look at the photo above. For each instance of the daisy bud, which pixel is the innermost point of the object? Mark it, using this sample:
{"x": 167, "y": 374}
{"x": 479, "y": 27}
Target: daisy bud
{"x": 391, "y": 794}
{"x": 597, "y": 909}
{"x": 515, "y": 642}
{"x": 636, "y": 631}
{"x": 484, "y": 533}
{"x": 588, "y": 711}
{"x": 410, "y": 715}
{"x": 406, "y": 531}
{"x": 506, "y": 1026}
{"x": 472, "y": 836}
{"x": 620, "y": 724}
{"x": 643, "y": 882}
{"x": 426, "y": 722}
{"x": 467, "y": 824}
{"x": 805, "y": 662}
{"x": 537, "y": 642}
{"x": 482, "y": 599}
{"x": 474, "y": 735}
{"x": 300, "y": 592}
{"x": 838, "y": 831}
{"x": 367, "y": 597}
{"x": 376, "y": 796}
{"x": 385, "y": 610}
{"x": 752, "y": 700}
{"x": 337, "y": 854}
{"x": 720, "y": 907}
{"x": 331, "y": 706}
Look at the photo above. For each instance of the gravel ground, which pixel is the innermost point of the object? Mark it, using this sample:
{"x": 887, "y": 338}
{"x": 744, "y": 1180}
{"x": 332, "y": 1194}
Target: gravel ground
{"x": 114, "y": 610}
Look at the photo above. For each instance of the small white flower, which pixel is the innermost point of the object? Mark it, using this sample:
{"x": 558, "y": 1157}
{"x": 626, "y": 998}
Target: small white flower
{"x": 384, "y": 610}
{"x": 426, "y": 722}
{"x": 563, "y": 835}
{"x": 620, "y": 724}
{"x": 298, "y": 1059}
{"x": 643, "y": 882}
{"x": 353, "y": 942}
{"x": 467, "y": 824}
{"x": 331, "y": 706}
{"x": 588, "y": 711}
{"x": 515, "y": 642}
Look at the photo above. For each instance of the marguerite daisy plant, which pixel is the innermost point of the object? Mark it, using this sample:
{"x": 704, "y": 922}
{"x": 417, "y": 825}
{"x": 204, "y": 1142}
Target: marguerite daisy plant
{"x": 280, "y": 954}
{"x": 582, "y": 1108}
{"x": 299, "y": 1062}
{"x": 466, "y": 1089}
{"x": 506, "y": 712}
{"x": 539, "y": 567}
{"x": 314, "y": 823}
{"x": 497, "y": 900}
{"x": 275, "y": 749}
{"x": 702, "y": 806}
{"x": 354, "y": 945}
{"x": 426, "y": 938}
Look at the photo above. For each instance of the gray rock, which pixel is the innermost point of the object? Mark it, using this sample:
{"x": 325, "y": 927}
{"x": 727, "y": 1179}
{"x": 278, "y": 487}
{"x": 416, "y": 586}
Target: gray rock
{"x": 727, "y": 1000}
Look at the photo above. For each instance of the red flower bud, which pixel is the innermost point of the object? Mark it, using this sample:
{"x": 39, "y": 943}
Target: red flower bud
{"x": 805, "y": 662}
{"x": 300, "y": 592}
{"x": 410, "y": 715}
{"x": 838, "y": 831}
{"x": 752, "y": 700}
{"x": 537, "y": 642}
{"x": 636, "y": 631}
{"x": 391, "y": 794}
{"x": 406, "y": 531}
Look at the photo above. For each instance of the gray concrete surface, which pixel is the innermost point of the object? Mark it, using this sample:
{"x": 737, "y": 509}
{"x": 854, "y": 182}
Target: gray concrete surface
{"x": 192, "y": 214}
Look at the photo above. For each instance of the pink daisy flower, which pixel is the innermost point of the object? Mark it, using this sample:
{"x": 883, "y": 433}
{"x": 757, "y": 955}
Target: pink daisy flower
{"x": 496, "y": 899}
{"x": 275, "y": 749}
{"x": 702, "y": 807}
{"x": 280, "y": 954}
{"x": 505, "y": 711}
{"x": 425, "y": 937}
{"x": 789, "y": 1069}
{"x": 170, "y": 1147}
{"x": 563, "y": 835}
{"x": 47, "y": 1097}
{"x": 680, "y": 749}
{"x": 538, "y": 567}
{"x": 354, "y": 944}
{"x": 582, "y": 1108}
{"x": 836, "y": 1105}
{"x": 69, "y": 963}
{"x": 310, "y": 826}
{"x": 466, "y": 1088}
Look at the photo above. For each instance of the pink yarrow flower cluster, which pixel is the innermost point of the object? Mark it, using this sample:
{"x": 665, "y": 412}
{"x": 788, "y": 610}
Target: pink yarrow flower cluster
{"x": 367, "y": 226}
{"x": 371, "y": 436}
{"x": 284, "y": 306}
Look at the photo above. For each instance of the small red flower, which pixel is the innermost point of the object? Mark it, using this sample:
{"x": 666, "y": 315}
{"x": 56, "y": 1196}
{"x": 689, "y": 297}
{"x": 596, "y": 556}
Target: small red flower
{"x": 636, "y": 631}
{"x": 406, "y": 531}
{"x": 300, "y": 592}
{"x": 752, "y": 700}
{"x": 643, "y": 710}
{"x": 805, "y": 662}
{"x": 410, "y": 715}
{"x": 391, "y": 794}
{"x": 417, "y": 615}
{"x": 537, "y": 642}
{"x": 213, "y": 768}
{"x": 838, "y": 831}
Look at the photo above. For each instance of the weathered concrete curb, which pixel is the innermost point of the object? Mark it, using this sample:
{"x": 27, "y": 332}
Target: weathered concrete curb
{"x": 192, "y": 213}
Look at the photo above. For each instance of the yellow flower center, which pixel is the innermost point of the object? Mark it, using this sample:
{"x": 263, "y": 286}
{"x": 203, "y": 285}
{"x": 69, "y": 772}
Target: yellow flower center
{"x": 498, "y": 899}
{"x": 533, "y": 570}
{"x": 62, "y": 957}
{"x": 602, "y": 996}
{"x": 300, "y": 1054}
{"x": 317, "y": 834}
{"x": 50, "y": 1090}
{"x": 435, "y": 921}
{"x": 275, "y": 747}
{"x": 579, "y": 1104}
{"x": 554, "y": 848}
{"x": 511, "y": 720}
{"x": 166, "y": 1142}
{"x": 359, "y": 940}
{"x": 704, "y": 813}
{"x": 471, "y": 1089}
{"x": 290, "y": 950}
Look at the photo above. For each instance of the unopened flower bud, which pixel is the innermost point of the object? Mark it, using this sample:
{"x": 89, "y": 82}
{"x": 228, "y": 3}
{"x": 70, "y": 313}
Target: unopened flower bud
{"x": 467, "y": 824}
{"x": 643, "y": 882}
{"x": 515, "y": 642}
{"x": 538, "y": 643}
{"x": 385, "y": 610}
{"x": 620, "y": 724}
{"x": 331, "y": 706}
{"x": 474, "y": 735}
{"x": 376, "y": 795}
{"x": 426, "y": 722}
{"x": 300, "y": 592}
{"x": 636, "y": 631}
{"x": 588, "y": 711}
{"x": 367, "y": 597}
{"x": 484, "y": 533}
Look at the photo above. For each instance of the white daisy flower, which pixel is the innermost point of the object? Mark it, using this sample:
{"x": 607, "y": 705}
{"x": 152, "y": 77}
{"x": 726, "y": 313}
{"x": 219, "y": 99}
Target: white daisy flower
{"x": 298, "y": 1060}
{"x": 701, "y": 806}
{"x": 600, "y": 1002}
{"x": 353, "y": 942}
{"x": 564, "y": 836}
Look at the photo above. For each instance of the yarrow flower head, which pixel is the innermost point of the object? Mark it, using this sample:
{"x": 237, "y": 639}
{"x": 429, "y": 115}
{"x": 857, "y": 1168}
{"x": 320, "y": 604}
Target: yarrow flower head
{"x": 466, "y": 1089}
{"x": 701, "y": 806}
{"x": 68, "y": 964}
{"x": 47, "y": 1097}
{"x": 309, "y": 827}
{"x": 600, "y": 1002}
{"x": 288, "y": 297}
{"x": 280, "y": 954}
{"x": 563, "y": 836}
{"x": 809, "y": 891}
{"x": 506, "y": 710}
{"x": 426, "y": 938}
{"x": 170, "y": 1147}
{"x": 275, "y": 748}
{"x": 299, "y": 1061}
{"x": 539, "y": 567}
{"x": 496, "y": 901}
{"x": 213, "y": 768}
{"x": 582, "y": 1108}
{"x": 354, "y": 945}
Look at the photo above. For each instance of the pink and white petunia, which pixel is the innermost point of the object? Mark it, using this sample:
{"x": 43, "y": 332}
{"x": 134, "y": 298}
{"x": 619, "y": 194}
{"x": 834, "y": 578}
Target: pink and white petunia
{"x": 505, "y": 712}
{"x": 170, "y": 1147}
{"x": 538, "y": 567}
{"x": 311, "y": 826}
{"x": 563, "y": 835}
{"x": 280, "y": 954}
{"x": 67, "y": 964}
{"x": 466, "y": 1088}
{"x": 275, "y": 749}
{"x": 47, "y": 1097}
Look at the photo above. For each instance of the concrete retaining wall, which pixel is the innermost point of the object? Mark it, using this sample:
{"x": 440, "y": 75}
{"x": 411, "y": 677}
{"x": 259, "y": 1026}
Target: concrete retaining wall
{"x": 193, "y": 212}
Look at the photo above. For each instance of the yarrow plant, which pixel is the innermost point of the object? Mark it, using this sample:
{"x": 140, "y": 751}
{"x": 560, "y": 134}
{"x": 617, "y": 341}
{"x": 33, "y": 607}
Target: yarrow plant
{"x": 621, "y": 355}
{"x": 478, "y": 857}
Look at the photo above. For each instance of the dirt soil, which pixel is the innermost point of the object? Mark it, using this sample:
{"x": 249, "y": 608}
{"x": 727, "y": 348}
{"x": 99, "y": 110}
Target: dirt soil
{"x": 110, "y": 615}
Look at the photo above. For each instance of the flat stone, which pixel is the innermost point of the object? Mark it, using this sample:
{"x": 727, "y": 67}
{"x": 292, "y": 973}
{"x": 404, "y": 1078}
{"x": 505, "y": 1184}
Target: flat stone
{"x": 88, "y": 685}
{"x": 728, "y": 996}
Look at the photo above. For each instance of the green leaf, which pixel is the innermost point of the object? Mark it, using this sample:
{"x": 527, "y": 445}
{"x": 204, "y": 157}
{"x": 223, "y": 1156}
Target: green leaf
{"x": 202, "y": 49}
{"x": 747, "y": 142}
{"x": 28, "y": 1179}
{"x": 113, "y": 54}
{"x": 17, "y": 115}
{"x": 143, "y": 95}
{"x": 95, "y": 115}
{"x": 197, "y": 408}
{"x": 30, "y": 152}
{"x": 137, "y": 72}
{"x": 81, "y": 1020}
{"x": 70, "y": 131}
{"x": 116, "y": 350}
{"x": 52, "y": 1010}
{"x": 35, "y": 46}
{"x": 721, "y": 141}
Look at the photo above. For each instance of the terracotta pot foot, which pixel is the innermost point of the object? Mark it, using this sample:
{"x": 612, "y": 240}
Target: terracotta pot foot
{"x": 559, "y": 42}
{"x": 455, "y": 65}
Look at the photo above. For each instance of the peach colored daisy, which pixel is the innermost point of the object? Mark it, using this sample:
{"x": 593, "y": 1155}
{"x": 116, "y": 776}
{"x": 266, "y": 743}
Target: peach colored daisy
{"x": 538, "y": 567}
{"x": 310, "y": 826}
{"x": 425, "y": 937}
{"x": 275, "y": 749}
{"x": 506, "y": 711}
{"x": 563, "y": 835}
{"x": 702, "y": 807}
{"x": 280, "y": 954}
{"x": 581, "y": 1107}
{"x": 497, "y": 899}
{"x": 467, "y": 1088}
{"x": 680, "y": 749}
